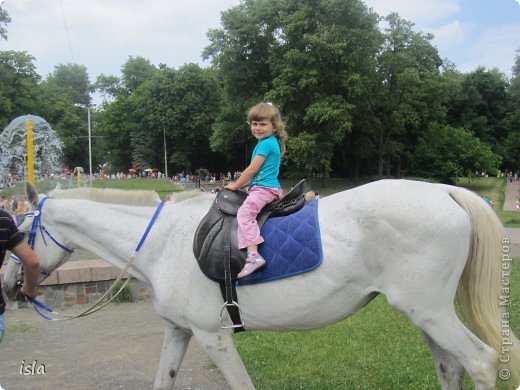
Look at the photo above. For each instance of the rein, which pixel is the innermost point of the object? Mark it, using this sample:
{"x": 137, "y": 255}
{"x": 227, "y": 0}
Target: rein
{"x": 37, "y": 305}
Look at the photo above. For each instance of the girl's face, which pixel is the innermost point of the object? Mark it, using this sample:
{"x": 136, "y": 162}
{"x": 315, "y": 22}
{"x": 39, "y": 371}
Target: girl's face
{"x": 262, "y": 129}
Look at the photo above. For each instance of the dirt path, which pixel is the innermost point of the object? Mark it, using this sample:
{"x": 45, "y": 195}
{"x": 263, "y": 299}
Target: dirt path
{"x": 115, "y": 348}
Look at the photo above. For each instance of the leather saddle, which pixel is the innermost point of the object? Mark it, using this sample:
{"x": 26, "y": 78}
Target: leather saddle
{"x": 215, "y": 241}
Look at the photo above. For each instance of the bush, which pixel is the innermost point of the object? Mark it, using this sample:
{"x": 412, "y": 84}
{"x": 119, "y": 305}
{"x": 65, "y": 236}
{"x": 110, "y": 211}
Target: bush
{"x": 125, "y": 295}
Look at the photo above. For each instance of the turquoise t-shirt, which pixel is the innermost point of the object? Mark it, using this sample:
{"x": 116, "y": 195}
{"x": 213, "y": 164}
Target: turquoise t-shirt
{"x": 267, "y": 175}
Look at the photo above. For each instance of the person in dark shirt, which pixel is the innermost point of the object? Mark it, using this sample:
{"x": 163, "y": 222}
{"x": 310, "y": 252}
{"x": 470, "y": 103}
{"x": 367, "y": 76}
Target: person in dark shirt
{"x": 11, "y": 239}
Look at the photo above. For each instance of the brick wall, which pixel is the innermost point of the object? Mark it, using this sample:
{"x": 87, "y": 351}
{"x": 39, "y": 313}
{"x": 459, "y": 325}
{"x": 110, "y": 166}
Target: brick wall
{"x": 63, "y": 295}
{"x": 82, "y": 282}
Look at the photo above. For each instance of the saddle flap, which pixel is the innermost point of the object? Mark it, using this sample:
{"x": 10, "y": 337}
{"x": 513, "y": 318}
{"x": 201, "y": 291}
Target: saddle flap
{"x": 229, "y": 201}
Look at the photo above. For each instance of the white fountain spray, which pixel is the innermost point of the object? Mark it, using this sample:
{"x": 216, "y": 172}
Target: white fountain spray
{"x": 13, "y": 147}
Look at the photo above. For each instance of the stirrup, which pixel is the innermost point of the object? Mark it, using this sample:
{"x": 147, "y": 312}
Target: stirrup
{"x": 232, "y": 326}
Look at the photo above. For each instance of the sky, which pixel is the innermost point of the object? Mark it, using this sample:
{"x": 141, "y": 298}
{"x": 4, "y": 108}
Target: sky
{"x": 102, "y": 34}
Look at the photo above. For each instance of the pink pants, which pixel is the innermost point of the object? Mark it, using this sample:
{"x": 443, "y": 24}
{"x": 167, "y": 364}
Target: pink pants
{"x": 248, "y": 231}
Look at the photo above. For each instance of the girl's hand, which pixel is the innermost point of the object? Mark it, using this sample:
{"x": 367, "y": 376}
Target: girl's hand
{"x": 247, "y": 175}
{"x": 21, "y": 296}
{"x": 231, "y": 186}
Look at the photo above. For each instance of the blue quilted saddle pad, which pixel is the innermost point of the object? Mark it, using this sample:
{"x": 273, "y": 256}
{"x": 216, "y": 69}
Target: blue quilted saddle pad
{"x": 292, "y": 245}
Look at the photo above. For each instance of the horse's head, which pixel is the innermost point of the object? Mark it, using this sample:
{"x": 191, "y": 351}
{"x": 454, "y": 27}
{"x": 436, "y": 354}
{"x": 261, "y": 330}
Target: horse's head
{"x": 44, "y": 238}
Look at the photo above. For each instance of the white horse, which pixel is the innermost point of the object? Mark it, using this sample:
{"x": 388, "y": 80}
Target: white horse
{"x": 417, "y": 243}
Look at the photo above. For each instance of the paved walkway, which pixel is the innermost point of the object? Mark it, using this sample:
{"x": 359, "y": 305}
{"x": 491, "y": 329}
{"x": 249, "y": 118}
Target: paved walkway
{"x": 511, "y": 195}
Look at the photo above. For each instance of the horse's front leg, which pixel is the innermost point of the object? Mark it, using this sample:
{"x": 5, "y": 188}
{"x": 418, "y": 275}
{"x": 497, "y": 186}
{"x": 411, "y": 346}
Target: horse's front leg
{"x": 220, "y": 348}
{"x": 174, "y": 348}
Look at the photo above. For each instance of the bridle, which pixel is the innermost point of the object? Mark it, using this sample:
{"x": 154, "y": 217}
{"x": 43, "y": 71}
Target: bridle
{"x": 35, "y": 227}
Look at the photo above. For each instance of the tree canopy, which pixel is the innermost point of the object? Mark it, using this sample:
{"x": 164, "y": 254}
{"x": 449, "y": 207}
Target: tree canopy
{"x": 18, "y": 85}
{"x": 360, "y": 95}
{"x": 4, "y": 20}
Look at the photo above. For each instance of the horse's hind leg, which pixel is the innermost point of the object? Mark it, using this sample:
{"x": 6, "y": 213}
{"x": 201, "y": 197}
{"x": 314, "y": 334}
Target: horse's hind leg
{"x": 174, "y": 348}
{"x": 450, "y": 335}
{"x": 449, "y": 370}
{"x": 221, "y": 349}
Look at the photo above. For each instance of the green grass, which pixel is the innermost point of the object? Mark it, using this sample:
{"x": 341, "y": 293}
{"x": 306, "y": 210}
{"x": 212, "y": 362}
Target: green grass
{"x": 377, "y": 348}
{"x": 494, "y": 189}
{"x": 509, "y": 218}
{"x": 162, "y": 187}
{"x": 490, "y": 187}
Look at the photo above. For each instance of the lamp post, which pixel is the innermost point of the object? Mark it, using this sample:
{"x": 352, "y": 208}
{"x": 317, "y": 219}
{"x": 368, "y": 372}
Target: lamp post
{"x": 89, "y": 142}
{"x": 89, "y": 148}
{"x": 165, "y": 155}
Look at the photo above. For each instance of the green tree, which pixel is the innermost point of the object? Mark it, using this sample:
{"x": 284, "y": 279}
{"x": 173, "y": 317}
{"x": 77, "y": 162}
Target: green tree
{"x": 121, "y": 129}
{"x": 514, "y": 88}
{"x": 298, "y": 54}
{"x": 445, "y": 153}
{"x": 110, "y": 87}
{"x": 5, "y": 19}
{"x": 64, "y": 100}
{"x": 481, "y": 104}
{"x": 18, "y": 85}
{"x": 511, "y": 122}
{"x": 240, "y": 52}
{"x": 71, "y": 80}
{"x": 136, "y": 71}
{"x": 403, "y": 95}
{"x": 68, "y": 121}
{"x": 181, "y": 106}
{"x": 118, "y": 121}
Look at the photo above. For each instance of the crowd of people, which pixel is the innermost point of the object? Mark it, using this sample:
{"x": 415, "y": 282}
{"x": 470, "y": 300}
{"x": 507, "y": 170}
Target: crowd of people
{"x": 510, "y": 176}
{"x": 16, "y": 206}
{"x": 187, "y": 180}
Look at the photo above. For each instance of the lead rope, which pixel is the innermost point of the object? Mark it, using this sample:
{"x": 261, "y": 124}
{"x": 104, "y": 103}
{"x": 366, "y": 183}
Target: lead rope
{"x": 37, "y": 305}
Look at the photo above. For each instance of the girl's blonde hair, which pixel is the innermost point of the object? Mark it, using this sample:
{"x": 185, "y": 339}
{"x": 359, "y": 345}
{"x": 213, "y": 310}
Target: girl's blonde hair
{"x": 268, "y": 111}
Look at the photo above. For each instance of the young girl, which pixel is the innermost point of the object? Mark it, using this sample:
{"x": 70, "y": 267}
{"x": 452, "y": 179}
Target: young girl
{"x": 262, "y": 177}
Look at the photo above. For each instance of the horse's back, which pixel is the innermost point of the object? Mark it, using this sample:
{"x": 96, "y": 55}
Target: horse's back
{"x": 406, "y": 200}
{"x": 392, "y": 229}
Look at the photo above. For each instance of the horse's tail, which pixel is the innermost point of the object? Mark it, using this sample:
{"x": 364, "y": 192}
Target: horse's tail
{"x": 483, "y": 291}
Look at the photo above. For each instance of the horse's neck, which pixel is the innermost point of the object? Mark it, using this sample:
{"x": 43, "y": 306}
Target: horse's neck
{"x": 111, "y": 232}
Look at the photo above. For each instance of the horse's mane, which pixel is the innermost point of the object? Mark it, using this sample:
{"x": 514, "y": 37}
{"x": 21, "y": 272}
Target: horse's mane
{"x": 182, "y": 196}
{"x": 109, "y": 195}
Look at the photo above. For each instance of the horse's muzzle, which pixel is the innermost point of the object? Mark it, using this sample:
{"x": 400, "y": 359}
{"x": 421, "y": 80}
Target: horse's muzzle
{"x": 12, "y": 286}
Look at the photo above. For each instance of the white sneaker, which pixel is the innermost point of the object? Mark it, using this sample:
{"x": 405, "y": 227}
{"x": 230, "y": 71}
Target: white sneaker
{"x": 252, "y": 264}
{"x": 1, "y": 388}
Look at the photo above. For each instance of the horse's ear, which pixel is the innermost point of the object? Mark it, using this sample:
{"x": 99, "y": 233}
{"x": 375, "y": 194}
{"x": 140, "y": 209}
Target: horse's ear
{"x": 32, "y": 195}
{"x": 58, "y": 186}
